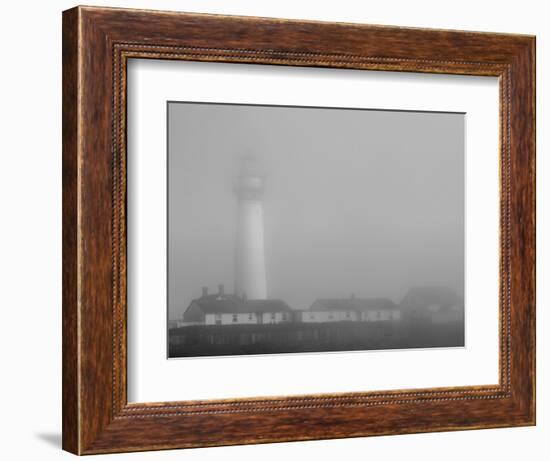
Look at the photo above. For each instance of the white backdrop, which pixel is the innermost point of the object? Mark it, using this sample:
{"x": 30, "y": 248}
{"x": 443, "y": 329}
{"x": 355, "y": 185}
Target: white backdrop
{"x": 30, "y": 247}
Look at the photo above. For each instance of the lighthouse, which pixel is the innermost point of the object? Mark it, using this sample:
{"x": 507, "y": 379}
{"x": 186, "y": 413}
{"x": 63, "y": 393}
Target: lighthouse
{"x": 250, "y": 278}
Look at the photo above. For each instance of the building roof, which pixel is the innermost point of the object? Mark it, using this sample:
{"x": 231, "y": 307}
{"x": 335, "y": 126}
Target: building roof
{"x": 353, "y": 304}
{"x": 420, "y": 297}
{"x": 231, "y": 304}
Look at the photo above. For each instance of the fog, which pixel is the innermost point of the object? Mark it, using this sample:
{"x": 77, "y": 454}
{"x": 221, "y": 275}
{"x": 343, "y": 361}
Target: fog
{"x": 366, "y": 202}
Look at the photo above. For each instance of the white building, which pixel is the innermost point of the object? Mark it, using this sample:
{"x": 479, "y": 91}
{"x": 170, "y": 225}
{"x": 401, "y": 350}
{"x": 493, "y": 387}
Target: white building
{"x": 228, "y": 309}
{"x": 250, "y": 278}
{"x": 350, "y": 309}
{"x": 320, "y": 316}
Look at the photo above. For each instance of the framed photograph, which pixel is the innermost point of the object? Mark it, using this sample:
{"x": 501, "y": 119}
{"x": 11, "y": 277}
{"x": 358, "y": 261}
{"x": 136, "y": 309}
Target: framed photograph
{"x": 281, "y": 230}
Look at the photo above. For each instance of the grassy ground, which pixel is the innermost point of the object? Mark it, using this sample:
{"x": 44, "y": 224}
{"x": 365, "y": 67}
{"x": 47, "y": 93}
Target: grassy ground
{"x": 211, "y": 340}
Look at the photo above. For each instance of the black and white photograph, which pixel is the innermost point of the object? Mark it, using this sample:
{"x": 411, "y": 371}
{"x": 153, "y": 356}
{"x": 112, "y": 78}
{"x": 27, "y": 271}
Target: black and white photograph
{"x": 313, "y": 229}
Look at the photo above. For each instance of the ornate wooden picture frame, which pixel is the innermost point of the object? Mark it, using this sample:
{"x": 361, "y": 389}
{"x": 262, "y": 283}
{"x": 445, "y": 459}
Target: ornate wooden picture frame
{"x": 97, "y": 44}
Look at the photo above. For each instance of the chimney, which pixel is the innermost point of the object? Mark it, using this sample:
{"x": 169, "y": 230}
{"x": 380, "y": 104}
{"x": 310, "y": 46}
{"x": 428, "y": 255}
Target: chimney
{"x": 220, "y": 290}
{"x": 204, "y": 292}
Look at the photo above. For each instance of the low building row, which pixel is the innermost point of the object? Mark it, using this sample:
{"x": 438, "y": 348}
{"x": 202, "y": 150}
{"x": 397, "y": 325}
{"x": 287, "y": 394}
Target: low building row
{"x": 227, "y": 309}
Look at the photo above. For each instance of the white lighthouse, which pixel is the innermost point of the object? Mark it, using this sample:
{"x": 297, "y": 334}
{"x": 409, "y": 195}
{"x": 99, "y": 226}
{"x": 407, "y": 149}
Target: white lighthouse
{"x": 250, "y": 278}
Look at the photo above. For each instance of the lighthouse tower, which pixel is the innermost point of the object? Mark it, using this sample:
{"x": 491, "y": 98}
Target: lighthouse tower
{"x": 250, "y": 279}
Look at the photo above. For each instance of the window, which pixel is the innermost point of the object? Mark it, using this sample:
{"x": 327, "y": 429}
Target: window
{"x": 273, "y": 316}
{"x": 249, "y": 316}
{"x": 235, "y": 317}
{"x": 284, "y": 315}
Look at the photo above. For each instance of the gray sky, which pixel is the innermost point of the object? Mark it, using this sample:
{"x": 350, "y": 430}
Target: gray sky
{"x": 356, "y": 201}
